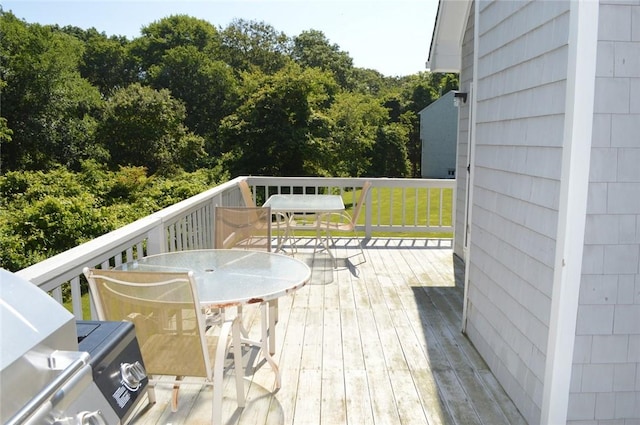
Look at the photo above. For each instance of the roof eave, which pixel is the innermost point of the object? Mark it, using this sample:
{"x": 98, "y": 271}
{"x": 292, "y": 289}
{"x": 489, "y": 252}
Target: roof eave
{"x": 446, "y": 43}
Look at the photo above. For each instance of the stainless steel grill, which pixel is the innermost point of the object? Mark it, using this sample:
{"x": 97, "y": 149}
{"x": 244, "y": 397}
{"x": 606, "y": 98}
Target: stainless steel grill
{"x": 47, "y": 377}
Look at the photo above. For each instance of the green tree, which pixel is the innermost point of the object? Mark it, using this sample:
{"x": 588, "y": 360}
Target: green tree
{"x": 49, "y": 108}
{"x": 281, "y": 129}
{"x": 144, "y": 127}
{"x": 171, "y": 32}
{"x": 420, "y": 90}
{"x": 107, "y": 64}
{"x": 369, "y": 81}
{"x": 5, "y": 136}
{"x": 207, "y": 88}
{"x": 313, "y": 49}
{"x": 44, "y": 214}
{"x": 445, "y": 82}
{"x": 389, "y": 157}
{"x": 411, "y": 121}
{"x": 356, "y": 120}
{"x": 253, "y": 45}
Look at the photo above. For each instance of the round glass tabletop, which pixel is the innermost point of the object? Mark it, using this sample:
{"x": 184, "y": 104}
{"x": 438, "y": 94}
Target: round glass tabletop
{"x": 227, "y": 277}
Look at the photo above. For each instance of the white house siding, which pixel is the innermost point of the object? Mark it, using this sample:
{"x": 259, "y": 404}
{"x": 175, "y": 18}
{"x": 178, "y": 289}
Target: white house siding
{"x": 605, "y": 384}
{"x": 521, "y": 76}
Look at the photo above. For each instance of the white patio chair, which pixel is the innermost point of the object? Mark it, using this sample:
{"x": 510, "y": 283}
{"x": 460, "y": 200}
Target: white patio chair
{"x": 243, "y": 227}
{"x": 278, "y": 221}
{"x": 331, "y": 223}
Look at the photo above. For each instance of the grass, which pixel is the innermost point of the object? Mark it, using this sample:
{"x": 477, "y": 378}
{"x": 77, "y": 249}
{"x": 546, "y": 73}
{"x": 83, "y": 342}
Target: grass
{"x": 86, "y": 308}
{"x": 421, "y": 206}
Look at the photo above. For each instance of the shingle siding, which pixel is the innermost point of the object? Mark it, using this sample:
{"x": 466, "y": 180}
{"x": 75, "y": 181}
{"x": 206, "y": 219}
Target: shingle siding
{"x": 520, "y": 96}
{"x": 605, "y": 360}
{"x": 518, "y": 151}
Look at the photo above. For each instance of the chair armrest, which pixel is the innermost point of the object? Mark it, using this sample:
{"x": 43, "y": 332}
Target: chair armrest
{"x": 280, "y": 218}
{"x": 338, "y": 217}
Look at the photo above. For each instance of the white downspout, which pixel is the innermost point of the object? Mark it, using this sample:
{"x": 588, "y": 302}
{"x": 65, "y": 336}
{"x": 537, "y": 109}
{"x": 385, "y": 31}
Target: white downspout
{"x": 581, "y": 72}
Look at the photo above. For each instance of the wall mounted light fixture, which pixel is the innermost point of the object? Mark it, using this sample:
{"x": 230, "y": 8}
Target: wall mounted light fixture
{"x": 459, "y": 96}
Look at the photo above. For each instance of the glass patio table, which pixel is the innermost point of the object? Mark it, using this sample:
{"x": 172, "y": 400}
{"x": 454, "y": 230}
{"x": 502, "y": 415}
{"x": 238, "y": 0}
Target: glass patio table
{"x": 315, "y": 204}
{"x": 290, "y": 205}
{"x": 228, "y": 277}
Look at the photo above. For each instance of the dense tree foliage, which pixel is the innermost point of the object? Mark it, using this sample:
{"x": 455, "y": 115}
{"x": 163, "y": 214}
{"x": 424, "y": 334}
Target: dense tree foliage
{"x": 49, "y": 108}
{"x": 44, "y": 213}
{"x": 174, "y": 31}
{"x": 142, "y": 126}
{"x": 207, "y": 87}
{"x": 107, "y": 63}
{"x": 312, "y": 49}
{"x": 280, "y": 129}
{"x": 253, "y": 46}
{"x": 96, "y": 131}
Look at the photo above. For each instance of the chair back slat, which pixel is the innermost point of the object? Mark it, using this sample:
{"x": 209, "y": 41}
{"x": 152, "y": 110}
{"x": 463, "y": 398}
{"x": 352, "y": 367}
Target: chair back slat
{"x": 361, "y": 200}
{"x": 247, "y": 196}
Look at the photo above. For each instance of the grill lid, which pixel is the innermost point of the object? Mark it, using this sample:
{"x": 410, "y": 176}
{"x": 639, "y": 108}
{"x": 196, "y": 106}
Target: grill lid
{"x": 32, "y": 326}
{"x": 28, "y": 317}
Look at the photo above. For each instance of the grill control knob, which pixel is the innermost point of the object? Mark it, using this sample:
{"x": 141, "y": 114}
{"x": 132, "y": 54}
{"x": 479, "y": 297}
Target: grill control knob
{"x": 132, "y": 374}
{"x": 91, "y": 418}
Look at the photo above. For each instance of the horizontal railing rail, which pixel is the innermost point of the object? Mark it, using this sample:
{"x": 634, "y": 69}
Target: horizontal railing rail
{"x": 432, "y": 201}
{"x": 189, "y": 224}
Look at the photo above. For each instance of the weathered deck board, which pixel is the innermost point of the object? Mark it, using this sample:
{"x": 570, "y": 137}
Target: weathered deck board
{"x": 371, "y": 343}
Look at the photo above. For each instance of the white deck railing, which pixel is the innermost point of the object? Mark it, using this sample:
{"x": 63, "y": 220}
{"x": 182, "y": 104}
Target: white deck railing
{"x": 189, "y": 224}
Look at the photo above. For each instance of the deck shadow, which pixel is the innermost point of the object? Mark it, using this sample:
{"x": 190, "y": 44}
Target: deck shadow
{"x": 467, "y": 390}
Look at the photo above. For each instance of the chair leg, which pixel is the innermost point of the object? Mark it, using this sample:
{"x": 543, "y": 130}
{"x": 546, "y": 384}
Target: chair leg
{"x": 328, "y": 242}
{"x": 331, "y": 241}
{"x": 216, "y": 408}
{"x": 291, "y": 237}
{"x": 151, "y": 393}
{"x": 218, "y": 374}
{"x": 175, "y": 394}
{"x": 359, "y": 241}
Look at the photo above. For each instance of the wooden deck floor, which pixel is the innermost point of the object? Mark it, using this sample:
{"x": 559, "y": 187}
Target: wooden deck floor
{"x": 374, "y": 343}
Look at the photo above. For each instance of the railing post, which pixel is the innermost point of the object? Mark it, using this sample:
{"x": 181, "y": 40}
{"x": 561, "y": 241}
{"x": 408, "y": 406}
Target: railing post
{"x": 156, "y": 243}
{"x": 215, "y": 202}
{"x": 368, "y": 214}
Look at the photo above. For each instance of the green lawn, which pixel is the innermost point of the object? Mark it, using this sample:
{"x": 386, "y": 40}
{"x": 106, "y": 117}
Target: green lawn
{"x": 388, "y": 203}
{"x": 387, "y": 206}
{"x": 86, "y": 309}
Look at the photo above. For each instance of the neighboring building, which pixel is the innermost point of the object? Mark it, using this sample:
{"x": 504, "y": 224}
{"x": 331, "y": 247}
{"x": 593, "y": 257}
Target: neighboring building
{"x": 438, "y": 133}
{"x": 549, "y": 212}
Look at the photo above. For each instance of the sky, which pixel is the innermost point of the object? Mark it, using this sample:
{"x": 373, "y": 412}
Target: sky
{"x": 390, "y": 36}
